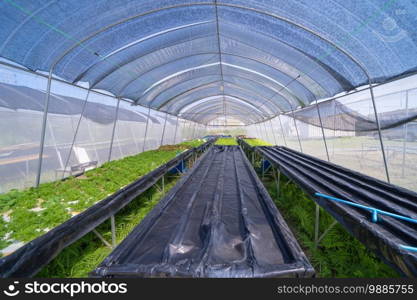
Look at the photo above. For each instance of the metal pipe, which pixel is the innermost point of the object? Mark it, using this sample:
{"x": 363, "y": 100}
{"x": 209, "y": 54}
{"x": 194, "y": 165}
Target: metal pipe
{"x": 379, "y": 132}
{"x": 273, "y": 134}
{"x": 163, "y": 130}
{"x": 282, "y": 130}
{"x": 76, "y": 133}
{"x": 296, "y": 130}
{"x": 102, "y": 238}
{"x": 146, "y": 129}
{"x": 114, "y": 130}
{"x": 266, "y": 133}
{"x": 316, "y": 225}
{"x": 45, "y": 118}
{"x": 175, "y": 134}
{"x": 113, "y": 231}
{"x": 405, "y": 136}
{"x": 322, "y": 131}
{"x": 193, "y": 134}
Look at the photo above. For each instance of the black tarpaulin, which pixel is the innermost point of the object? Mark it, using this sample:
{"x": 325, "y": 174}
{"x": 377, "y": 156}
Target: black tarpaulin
{"x": 386, "y": 236}
{"x": 218, "y": 221}
{"x": 30, "y": 258}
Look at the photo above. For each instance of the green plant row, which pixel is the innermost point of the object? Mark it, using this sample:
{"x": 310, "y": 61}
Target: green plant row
{"x": 82, "y": 257}
{"x": 226, "y": 142}
{"x": 338, "y": 254}
{"x": 29, "y": 213}
{"x": 256, "y": 142}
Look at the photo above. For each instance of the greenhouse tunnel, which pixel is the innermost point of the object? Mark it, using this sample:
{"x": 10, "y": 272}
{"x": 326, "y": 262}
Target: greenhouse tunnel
{"x": 89, "y": 82}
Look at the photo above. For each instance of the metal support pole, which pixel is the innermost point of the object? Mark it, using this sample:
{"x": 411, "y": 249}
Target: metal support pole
{"x": 134, "y": 139}
{"x": 322, "y": 131}
{"x": 325, "y": 232}
{"x": 405, "y": 136}
{"x": 45, "y": 118}
{"x": 259, "y": 131}
{"x": 113, "y": 231}
{"x": 262, "y": 167}
{"x": 176, "y": 128}
{"x": 91, "y": 138}
{"x": 279, "y": 182}
{"x": 163, "y": 130}
{"x": 191, "y": 131}
{"x": 146, "y": 129}
{"x": 192, "y": 136}
{"x": 371, "y": 90}
{"x": 114, "y": 128}
{"x": 316, "y": 226}
{"x": 184, "y": 134}
{"x": 76, "y": 133}
{"x": 58, "y": 154}
{"x": 296, "y": 130}
{"x": 282, "y": 130}
{"x": 276, "y": 178}
{"x": 273, "y": 134}
{"x": 102, "y": 239}
{"x": 163, "y": 184}
{"x": 266, "y": 132}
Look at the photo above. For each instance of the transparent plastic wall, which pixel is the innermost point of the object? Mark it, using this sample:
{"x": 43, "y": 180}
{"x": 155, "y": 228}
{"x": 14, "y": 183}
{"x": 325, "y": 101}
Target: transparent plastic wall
{"x": 350, "y": 131}
{"x": 20, "y": 128}
{"x": 130, "y": 130}
{"x": 400, "y": 142}
{"x": 359, "y": 151}
{"x": 232, "y": 130}
{"x": 82, "y": 127}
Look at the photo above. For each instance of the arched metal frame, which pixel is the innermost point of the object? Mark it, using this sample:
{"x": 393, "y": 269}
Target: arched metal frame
{"x": 213, "y": 111}
{"x": 300, "y": 102}
{"x": 247, "y": 106}
{"x": 213, "y": 84}
{"x": 216, "y": 4}
{"x": 231, "y": 99}
{"x": 235, "y": 76}
{"x": 273, "y": 15}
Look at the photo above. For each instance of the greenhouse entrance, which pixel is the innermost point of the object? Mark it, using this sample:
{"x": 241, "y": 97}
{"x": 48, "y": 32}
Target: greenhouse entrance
{"x": 176, "y": 138}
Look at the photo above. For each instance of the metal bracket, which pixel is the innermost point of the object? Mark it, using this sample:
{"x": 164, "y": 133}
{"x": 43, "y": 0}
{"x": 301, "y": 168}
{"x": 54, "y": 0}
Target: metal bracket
{"x": 317, "y": 238}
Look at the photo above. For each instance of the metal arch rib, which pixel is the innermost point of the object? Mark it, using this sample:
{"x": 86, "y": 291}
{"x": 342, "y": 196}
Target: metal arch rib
{"x": 208, "y": 84}
{"x": 215, "y": 107}
{"x": 200, "y": 102}
{"x": 209, "y": 4}
{"x": 233, "y": 102}
{"x": 79, "y": 77}
{"x": 282, "y": 86}
{"x": 235, "y": 98}
{"x": 245, "y": 69}
{"x": 236, "y": 76}
{"x": 199, "y": 37}
{"x": 356, "y": 61}
{"x": 215, "y": 111}
{"x": 250, "y": 91}
{"x": 196, "y": 54}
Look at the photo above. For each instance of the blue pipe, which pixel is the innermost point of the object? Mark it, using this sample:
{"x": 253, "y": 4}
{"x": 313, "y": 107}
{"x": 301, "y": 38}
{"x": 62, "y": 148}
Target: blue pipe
{"x": 375, "y": 213}
{"x": 409, "y": 248}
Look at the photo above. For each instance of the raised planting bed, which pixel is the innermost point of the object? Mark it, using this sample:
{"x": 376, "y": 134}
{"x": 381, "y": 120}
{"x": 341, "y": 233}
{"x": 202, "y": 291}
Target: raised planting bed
{"x": 31, "y": 213}
{"x": 339, "y": 254}
{"x": 84, "y": 255}
{"x": 226, "y": 142}
{"x": 256, "y": 142}
{"x": 211, "y": 225}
